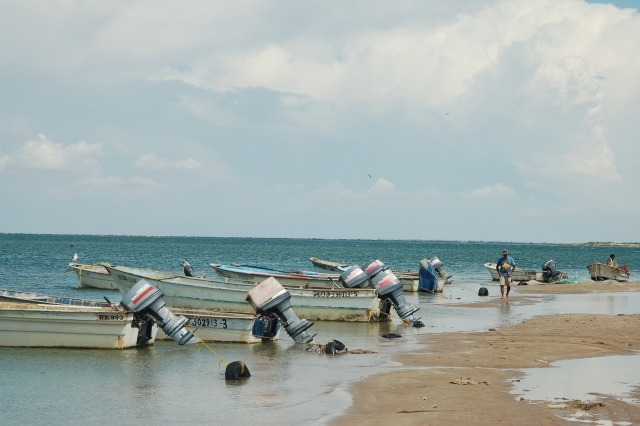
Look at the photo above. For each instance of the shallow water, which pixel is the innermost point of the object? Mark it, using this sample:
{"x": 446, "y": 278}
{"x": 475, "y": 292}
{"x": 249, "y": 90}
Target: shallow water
{"x": 169, "y": 384}
{"x": 616, "y": 375}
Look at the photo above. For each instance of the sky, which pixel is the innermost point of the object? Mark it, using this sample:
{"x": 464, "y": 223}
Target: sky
{"x": 460, "y": 120}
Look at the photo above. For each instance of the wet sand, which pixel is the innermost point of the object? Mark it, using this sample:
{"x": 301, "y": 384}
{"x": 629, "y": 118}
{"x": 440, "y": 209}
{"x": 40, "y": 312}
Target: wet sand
{"x": 424, "y": 392}
{"x": 578, "y": 288}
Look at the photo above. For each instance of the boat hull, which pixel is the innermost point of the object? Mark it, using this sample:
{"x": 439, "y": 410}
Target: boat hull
{"x": 211, "y": 326}
{"x": 409, "y": 284}
{"x": 314, "y": 304}
{"x": 36, "y": 325}
{"x": 602, "y": 272}
{"x": 519, "y": 274}
{"x": 299, "y": 280}
{"x": 327, "y": 267}
{"x": 94, "y": 276}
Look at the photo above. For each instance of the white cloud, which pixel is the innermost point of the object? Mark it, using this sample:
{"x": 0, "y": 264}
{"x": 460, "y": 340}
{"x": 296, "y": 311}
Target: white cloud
{"x": 494, "y": 191}
{"x": 43, "y": 154}
{"x": 425, "y": 65}
{"x": 574, "y": 82}
{"x": 151, "y": 161}
{"x": 600, "y": 164}
{"x": 382, "y": 186}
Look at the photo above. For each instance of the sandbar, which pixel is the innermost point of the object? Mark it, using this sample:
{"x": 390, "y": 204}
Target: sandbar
{"x": 465, "y": 378}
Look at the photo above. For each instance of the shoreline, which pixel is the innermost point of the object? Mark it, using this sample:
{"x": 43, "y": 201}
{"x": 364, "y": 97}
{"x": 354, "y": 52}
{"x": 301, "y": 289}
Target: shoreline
{"x": 424, "y": 390}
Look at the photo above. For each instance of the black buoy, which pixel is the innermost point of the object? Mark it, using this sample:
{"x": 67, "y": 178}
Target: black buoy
{"x": 391, "y": 336}
{"x": 236, "y": 370}
{"x": 483, "y": 291}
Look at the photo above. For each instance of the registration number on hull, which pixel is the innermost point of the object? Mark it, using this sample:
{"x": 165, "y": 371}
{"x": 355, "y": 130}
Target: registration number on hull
{"x": 208, "y": 322}
{"x": 114, "y": 317}
{"x": 335, "y": 294}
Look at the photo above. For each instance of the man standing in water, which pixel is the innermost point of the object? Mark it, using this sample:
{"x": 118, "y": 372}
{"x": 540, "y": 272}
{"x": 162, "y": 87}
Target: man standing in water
{"x": 505, "y": 267}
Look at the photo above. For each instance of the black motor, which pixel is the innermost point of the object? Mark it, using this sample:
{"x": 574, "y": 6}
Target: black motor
{"x": 146, "y": 301}
{"x": 550, "y": 271}
{"x": 389, "y": 288}
{"x": 272, "y": 302}
{"x": 187, "y": 269}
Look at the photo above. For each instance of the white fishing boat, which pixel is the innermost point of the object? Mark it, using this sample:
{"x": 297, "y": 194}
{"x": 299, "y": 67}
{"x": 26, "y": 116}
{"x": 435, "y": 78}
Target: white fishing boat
{"x": 47, "y": 325}
{"x": 257, "y": 274}
{"x": 93, "y": 276}
{"x": 602, "y": 272}
{"x": 210, "y": 326}
{"x": 314, "y": 304}
{"x": 520, "y": 274}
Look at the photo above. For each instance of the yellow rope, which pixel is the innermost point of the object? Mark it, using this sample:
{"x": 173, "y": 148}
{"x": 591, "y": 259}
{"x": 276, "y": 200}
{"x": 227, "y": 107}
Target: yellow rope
{"x": 222, "y": 360}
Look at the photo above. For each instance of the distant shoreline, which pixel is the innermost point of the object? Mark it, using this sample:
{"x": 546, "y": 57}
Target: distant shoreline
{"x": 600, "y": 244}
{"x": 588, "y": 244}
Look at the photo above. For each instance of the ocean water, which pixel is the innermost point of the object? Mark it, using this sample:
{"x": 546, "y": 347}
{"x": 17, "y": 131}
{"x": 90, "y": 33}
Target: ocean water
{"x": 170, "y": 384}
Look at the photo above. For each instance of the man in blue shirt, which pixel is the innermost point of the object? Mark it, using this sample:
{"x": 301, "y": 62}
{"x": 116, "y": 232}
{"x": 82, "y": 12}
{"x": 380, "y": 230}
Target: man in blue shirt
{"x": 505, "y": 267}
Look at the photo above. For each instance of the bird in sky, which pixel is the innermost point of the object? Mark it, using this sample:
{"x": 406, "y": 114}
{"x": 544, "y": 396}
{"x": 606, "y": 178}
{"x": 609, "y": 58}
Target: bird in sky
{"x": 74, "y": 258}
{"x": 368, "y": 175}
{"x": 447, "y": 114}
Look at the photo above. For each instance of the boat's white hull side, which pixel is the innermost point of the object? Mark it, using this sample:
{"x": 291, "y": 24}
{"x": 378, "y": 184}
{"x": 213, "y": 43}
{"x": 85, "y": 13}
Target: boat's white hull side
{"x": 212, "y": 326}
{"x": 92, "y": 278}
{"x": 52, "y": 326}
{"x": 313, "y": 304}
{"x": 601, "y": 272}
{"x": 518, "y": 274}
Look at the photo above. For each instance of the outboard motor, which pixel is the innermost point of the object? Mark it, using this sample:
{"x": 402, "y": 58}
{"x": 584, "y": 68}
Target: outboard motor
{"x": 389, "y": 288}
{"x": 147, "y": 302}
{"x": 439, "y": 268}
{"x": 354, "y": 277}
{"x": 187, "y": 269}
{"x": 272, "y": 302}
{"x": 550, "y": 271}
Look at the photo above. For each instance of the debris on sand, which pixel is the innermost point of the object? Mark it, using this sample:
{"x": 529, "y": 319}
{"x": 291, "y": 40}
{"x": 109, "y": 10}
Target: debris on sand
{"x": 584, "y": 406}
{"x": 361, "y": 351}
{"x": 468, "y": 381}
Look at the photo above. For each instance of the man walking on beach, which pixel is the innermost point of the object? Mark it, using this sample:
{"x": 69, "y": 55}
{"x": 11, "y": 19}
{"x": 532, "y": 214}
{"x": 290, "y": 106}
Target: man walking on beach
{"x": 505, "y": 267}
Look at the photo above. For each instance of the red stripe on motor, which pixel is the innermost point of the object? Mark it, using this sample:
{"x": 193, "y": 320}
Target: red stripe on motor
{"x": 141, "y": 295}
{"x": 387, "y": 280}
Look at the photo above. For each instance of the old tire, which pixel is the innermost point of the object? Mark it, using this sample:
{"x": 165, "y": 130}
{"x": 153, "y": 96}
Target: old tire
{"x": 236, "y": 370}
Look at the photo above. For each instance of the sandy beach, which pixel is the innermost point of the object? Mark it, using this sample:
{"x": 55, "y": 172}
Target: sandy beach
{"x": 465, "y": 378}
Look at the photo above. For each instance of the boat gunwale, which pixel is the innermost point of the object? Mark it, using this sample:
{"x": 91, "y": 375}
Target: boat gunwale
{"x": 220, "y": 280}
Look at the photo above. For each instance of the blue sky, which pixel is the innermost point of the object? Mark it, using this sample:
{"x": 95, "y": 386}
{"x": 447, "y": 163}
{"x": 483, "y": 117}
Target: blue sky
{"x": 465, "y": 120}
{"x": 619, "y": 3}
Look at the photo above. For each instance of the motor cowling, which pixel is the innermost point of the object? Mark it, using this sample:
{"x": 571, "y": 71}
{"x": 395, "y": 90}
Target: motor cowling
{"x": 354, "y": 277}
{"x": 549, "y": 269}
{"x": 147, "y": 302}
{"x": 270, "y": 299}
{"x": 389, "y": 288}
{"x": 187, "y": 270}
